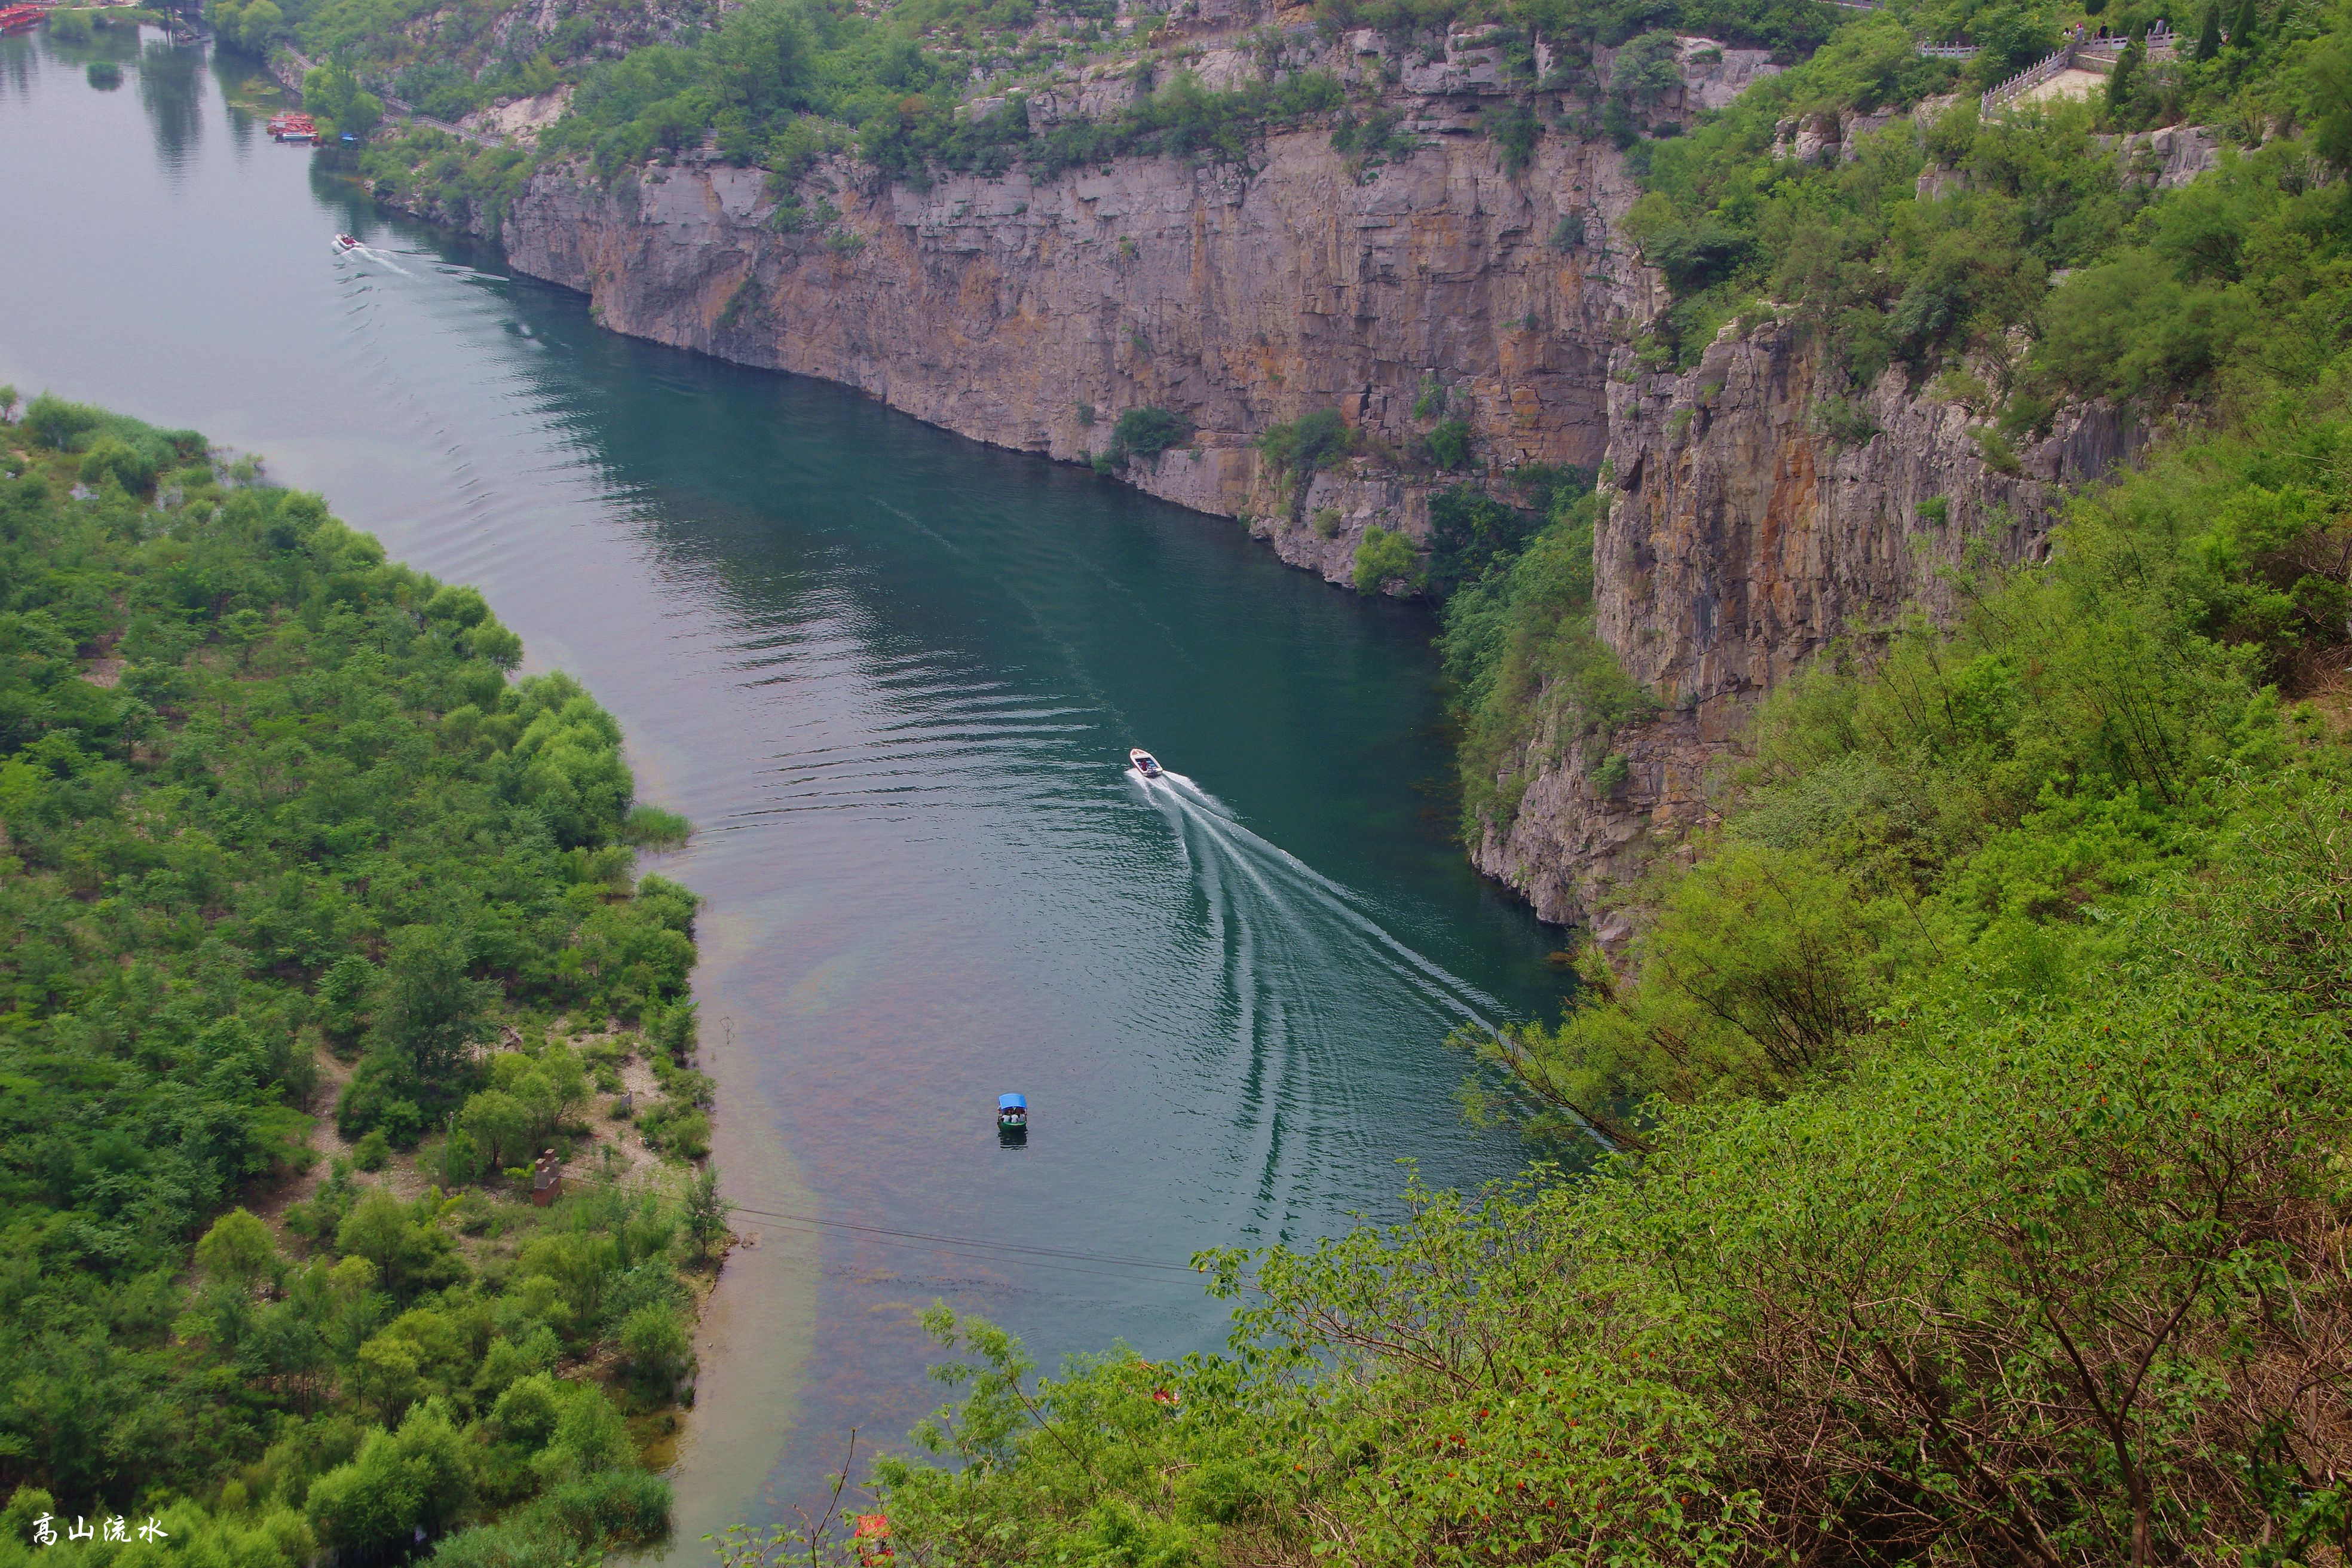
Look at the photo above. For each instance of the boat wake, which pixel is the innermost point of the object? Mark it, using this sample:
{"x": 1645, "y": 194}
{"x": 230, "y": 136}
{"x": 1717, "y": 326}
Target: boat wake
{"x": 379, "y": 257}
{"x": 1298, "y": 963}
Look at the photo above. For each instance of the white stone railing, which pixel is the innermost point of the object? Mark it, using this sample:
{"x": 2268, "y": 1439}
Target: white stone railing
{"x": 2099, "y": 53}
{"x": 2032, "y": 75}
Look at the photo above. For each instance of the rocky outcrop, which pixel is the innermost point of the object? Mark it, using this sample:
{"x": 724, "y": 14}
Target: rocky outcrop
{"x": 1753, "y": 517}
{"x": 1032, "y": 312}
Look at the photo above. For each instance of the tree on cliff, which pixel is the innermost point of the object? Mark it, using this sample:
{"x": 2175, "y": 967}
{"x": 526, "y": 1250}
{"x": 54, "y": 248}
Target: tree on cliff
{"x": 333, "y": 93}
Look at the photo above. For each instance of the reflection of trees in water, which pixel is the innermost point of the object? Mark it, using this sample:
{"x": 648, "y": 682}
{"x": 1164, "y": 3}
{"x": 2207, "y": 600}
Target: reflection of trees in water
{"x": 16, "y": 66}
{"x": 245, "y": 88}
{"x": 333, "y": 185}
{"x": 171, "y": 89}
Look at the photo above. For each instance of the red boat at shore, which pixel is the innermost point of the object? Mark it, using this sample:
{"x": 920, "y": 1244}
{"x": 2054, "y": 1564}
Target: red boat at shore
{"x": 292, "y": 128}
{"x": 13, "y": 17}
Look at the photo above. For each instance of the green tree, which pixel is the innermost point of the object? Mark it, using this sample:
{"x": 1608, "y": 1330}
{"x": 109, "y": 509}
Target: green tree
{"x": 385, "y": 1377}
{"x": 758, "y": 60}
{"x": 1385, "y": 557}
{"x": 500, "y": 1126}
{"x": 655, "y": 1349}
{"x": 707, "y": 1213}
{"x": 404, "y": 1243}
{"x": 2209, "y": 34}
{"x": 239, "y": 1250}
{"x": 332, "y": 91}
{"x": 2326, "y": 83}
{"x": 343, "y": 992}
{"x": 428, "y": 1009}
{"x": 401, "y": 1482}
{"x": 2122, "y": 83}
{"x": 590, "y": 1436}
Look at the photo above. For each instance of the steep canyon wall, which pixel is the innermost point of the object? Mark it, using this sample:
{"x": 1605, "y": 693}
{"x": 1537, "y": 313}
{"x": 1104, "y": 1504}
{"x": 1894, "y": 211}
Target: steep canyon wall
{"x": 1742, "y": 534}
{"x": 1739, "y": 536}
{"x": 1030, "y": 313}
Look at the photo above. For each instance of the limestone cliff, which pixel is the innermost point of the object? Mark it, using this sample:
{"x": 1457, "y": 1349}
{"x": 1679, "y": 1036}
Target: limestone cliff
{"x": 1030, "y": 313}
{"x": 1753, "y": 517}
{"x": 1743, "y": 530}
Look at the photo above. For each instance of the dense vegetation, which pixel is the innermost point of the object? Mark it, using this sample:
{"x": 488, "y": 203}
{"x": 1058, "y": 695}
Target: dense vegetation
{"x": 276, "y": 819}
{"x": 779, "y": 83}
{"x": 1890, "y": 276}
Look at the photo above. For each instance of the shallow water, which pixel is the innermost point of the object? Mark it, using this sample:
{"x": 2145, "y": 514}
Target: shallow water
{"x": 892, "y": 676}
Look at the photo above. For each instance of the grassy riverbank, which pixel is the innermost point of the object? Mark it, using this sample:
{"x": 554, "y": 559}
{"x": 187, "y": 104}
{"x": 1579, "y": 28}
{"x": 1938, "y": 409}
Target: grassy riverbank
{"x": 319, "y": 926}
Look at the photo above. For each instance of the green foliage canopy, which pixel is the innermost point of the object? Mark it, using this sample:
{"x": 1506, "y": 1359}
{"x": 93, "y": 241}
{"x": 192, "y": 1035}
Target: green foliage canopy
{"x": 268, "y": 797}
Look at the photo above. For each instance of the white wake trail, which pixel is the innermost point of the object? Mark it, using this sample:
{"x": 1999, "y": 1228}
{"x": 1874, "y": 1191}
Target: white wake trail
{"x": 381, "y": 258}
{"x": 1255, "y": 858}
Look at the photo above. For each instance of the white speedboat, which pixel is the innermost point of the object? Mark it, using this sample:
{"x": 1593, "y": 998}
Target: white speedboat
{"x": 1145, "y": 763}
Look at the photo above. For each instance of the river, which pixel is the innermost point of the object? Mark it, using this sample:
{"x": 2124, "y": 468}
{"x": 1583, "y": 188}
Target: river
{"x": 892, "y": 674}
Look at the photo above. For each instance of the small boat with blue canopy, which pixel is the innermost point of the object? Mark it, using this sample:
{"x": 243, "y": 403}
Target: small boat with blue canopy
{"x": 1012, "y": 1111}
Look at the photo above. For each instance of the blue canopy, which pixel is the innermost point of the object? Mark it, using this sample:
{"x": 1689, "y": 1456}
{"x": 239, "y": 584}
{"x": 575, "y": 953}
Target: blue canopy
{"x": 1012, "y": 1102}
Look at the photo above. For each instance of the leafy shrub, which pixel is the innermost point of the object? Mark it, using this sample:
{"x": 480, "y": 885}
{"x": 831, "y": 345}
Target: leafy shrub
{"x": 1470, "y": 531}
{"x": 655, "y": 1350}
{"x": 1305, "y": 446}
{"x": 400, "y": 1482}
{"x": 1514, "y": 129}
{"x": 1384, "y": 558}
{"x": 1146, "y": 432}
{"x": 110, "y": 460}
{"x": 1450, "y": 444}
{"x": 1845, "y": 421}
{"x": 59, "y": 425}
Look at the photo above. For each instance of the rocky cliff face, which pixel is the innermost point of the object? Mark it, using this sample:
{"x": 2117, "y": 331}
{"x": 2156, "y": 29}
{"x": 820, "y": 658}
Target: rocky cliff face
{"x": 1030, "y": 313}
{"x": 1743, "y": 531}
{"x": 1753, "y": 518}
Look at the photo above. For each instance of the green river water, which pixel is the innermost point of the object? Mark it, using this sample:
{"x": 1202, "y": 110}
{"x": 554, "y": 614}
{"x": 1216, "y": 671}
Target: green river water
{"x": 892, "y": 674}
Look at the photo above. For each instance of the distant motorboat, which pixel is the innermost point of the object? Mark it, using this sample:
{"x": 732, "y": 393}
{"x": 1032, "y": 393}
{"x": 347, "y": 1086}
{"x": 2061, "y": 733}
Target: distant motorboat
{"x": 1145, "y": 763}
{"x": 346, "y": 242}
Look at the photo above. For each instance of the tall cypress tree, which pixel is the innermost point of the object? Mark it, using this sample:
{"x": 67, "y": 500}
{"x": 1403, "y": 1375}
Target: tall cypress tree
{"x": 2124, "y": 78}
{"x": 2241, "y": 31}
{"x": 2208, "y": 37}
